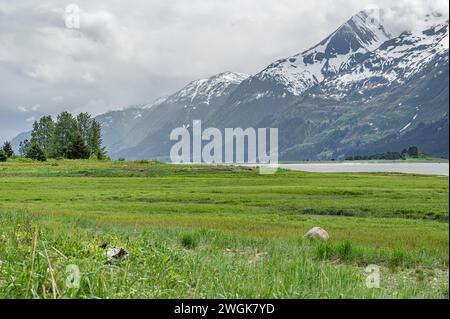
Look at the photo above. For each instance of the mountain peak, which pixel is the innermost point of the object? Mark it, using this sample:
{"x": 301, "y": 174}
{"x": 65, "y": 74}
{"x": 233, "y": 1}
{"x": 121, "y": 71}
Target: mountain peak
{"x": 367, "y": 24}
{"x": 231, "y": 77}
{"x": 394, "y": 62}
{"x": 362, "y": 32}
{"x": 203, "y": 90}
{"x": 359, "y": 35}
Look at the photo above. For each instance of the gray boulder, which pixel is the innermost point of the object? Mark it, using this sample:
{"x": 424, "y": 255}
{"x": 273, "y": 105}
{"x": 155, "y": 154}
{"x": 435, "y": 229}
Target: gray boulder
{"x": 317, "y": 233}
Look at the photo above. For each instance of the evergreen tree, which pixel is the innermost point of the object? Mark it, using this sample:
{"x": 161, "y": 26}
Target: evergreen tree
{"x": 42, "y": 133}
{"x": 64, "y": 134}
{"x": 36, "y": 153}
{"x": 3, "y": 157}
{"x": 69, "y": 137}
{"x": 84, "y": 123}
{"x": 95, "y": 138}
{"x": 78, "y": 148}
{"x": 7, "y": 148}
{"x": 102, "y": 154}
{"x": 413, "y": 151}
{"x": 23, "y": 147}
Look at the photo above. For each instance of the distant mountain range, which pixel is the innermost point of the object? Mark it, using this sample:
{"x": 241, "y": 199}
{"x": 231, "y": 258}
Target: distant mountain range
{"x": 359, "y": 91}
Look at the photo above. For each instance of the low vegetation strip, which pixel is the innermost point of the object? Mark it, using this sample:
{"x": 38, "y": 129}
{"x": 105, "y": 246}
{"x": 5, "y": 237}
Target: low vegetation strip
{"x": 147, "y": 188}
{"x": 186, "y": 228}
{"x": 38, "y": 254}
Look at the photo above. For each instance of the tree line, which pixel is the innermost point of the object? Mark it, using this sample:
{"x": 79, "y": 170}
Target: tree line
{"x": 412, "y": 152}
{"x": 68, "y": 137}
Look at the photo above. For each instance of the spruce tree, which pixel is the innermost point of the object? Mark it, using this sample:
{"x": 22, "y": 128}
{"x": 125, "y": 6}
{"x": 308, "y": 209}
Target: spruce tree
{"x": 84, "y": 123}
{"x": 64, "y": 135}
{"x": 36, "y": 153}
{"x": 78, "y": 148}
{"x": 42, "y": 133}
{"x": 69, "y": 137}
{"x": 95, "y": 138}
{"x": 7, "y": 148}
{"x": 102, "y": 154}
{"x": 413, "y": 151}
{"x": 3, "y": 156}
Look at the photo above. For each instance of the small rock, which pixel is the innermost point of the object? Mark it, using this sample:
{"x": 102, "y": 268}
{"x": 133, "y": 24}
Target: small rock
{"x": 317, "y": 233}
{"x": 116, "y": 253}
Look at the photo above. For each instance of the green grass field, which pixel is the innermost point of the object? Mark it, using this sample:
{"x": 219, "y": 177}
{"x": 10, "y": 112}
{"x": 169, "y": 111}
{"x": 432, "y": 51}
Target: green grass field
{"x": 218, "y": 232}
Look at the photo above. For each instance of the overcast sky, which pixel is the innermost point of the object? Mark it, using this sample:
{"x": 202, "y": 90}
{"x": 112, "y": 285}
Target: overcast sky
{"x": 132, "y": 52}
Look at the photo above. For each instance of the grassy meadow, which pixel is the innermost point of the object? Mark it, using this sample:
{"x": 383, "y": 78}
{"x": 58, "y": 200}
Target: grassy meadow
{"x": 218, "y": 232}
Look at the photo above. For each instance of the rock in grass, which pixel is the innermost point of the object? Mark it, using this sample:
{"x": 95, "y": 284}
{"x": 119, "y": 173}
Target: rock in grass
{"x": 116, "y": 253}
{"x": 317, "y": 233}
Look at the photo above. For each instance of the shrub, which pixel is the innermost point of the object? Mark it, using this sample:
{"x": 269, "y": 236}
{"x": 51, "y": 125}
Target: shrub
{"x": 345, "y": 251}
{"x": 3, "y": 156}
{"x": 36, "y": 153}
{"x": 188, "y": 241}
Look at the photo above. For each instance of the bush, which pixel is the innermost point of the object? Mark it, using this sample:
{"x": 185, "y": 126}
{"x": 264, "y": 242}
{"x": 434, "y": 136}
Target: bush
{"x": 345, "y": 251}
{"x": 3, "y": 156}
{"x": 36, "y": 153}
{"x": 188, "y": 241}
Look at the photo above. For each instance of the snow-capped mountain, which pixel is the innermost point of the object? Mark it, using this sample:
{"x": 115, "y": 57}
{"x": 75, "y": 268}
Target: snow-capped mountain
{"x": 397, "y": 95}
{"x": 336, "y": 53}
{"x": 357, "y": 92}
{"x": 394, "y": 62}
{"x": 204, "y": 90}
{"x": 199, "y": 99}
{"x": 358, "y": 88}
{"x": 283, "y": 81}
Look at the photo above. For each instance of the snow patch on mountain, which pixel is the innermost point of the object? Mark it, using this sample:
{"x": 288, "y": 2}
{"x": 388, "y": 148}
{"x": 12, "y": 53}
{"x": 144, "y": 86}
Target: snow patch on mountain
{"x": 157, "y": 102}
{"x": 409, "y": 124}
{"x": 300, "y": 72}
{"x": 394, "y": 62}
{"x": 204, "y": 90}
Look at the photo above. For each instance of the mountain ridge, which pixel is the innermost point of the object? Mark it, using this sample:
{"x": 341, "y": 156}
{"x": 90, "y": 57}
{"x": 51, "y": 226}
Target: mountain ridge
{"x": 358, "y": 87}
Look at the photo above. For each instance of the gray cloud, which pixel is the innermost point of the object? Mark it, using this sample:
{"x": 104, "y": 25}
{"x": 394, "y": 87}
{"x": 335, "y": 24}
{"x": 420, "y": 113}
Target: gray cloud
{"x": 129, "y": 53}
